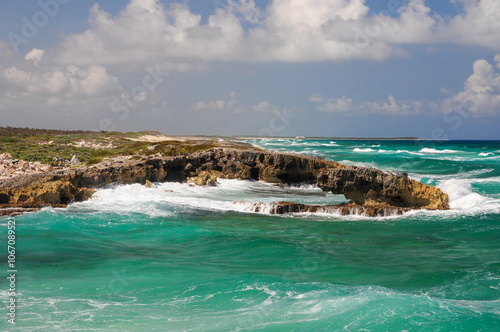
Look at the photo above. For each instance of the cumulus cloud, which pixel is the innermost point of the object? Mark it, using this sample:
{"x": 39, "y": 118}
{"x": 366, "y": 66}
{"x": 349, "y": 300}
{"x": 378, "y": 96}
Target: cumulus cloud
{"x": 263, "y": 106}
{"x": 336, "y": 105}
{"x": 480, "y": 96}
{"x": 288, "y": 30}
{"x": 35, "y": 55}
{"x": 229, "y": 104}
{"x": 67, "y": 81}
{"x": 481, "y": 92}
{"x": 478, "y": 25}
{"x": 211, "y": 105}
{"x": 233, "y": 105}
{"x": 390, "y": 106}
{"x": 316, "y": 98}
{"x": 147, "y": 32}
{"x": 174, "y": 37}
{"x": 34, "y": 89}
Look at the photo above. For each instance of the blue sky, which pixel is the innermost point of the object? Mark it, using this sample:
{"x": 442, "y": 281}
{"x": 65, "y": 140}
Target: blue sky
{"x": 241, "y": 67}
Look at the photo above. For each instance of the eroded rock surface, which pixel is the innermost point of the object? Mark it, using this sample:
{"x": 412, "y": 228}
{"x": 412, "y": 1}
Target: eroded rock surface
{"x": 379, "y": 210}
{"x": 368, "y": 188}
{"x": 11, "y": 168}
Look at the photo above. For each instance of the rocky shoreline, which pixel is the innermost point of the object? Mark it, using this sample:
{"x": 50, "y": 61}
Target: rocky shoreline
{"x": 371, "y": 192}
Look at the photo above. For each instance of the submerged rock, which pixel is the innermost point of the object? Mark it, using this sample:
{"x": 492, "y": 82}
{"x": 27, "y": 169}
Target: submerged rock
{"x": 342, "y": 209}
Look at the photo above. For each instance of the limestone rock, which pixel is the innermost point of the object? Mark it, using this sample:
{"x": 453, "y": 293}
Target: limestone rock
{"x": 343, "y": 209}
{"x": 58, "y": 161}
{"x": 206, "y": 178}
{"x": 372, "y": 186}
{"x": 74, "y": 161}
{"x": 54, "y": 193}
{"x": 369, "y": 189}
{"x": 5, "y": 156}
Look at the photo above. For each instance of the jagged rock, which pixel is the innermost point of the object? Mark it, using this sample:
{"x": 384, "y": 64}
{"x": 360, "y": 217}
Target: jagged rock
{"x": 189, "y": 168}
{"x": 372, "y": 189}
{"x": 58, "y": 161}
{"x": 74, "y": 161}
{"x": 343, "y": 209}
{"x": 13, "y": 167}
{"x": 205, "y": 178}
{"x": 54, "y": 193}
{"x": 368, "y": 186}
{"x": 5, "y": 156}
{"x": 148, "y": 184}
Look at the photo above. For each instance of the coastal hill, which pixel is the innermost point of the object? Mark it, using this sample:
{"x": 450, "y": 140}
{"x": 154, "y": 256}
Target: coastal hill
{"x": 54, "y": 168}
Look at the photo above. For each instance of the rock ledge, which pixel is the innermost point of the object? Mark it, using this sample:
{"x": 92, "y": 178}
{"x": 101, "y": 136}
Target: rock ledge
{"x": 370, "y": 190}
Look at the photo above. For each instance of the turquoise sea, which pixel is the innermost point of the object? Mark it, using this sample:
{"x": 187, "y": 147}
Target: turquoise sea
{"x": 181, "y": 258}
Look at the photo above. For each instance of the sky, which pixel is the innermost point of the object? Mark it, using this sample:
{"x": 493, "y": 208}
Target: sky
{"x": 329, "y": 68}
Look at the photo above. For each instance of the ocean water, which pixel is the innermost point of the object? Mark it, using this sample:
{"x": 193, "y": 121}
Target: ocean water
{"x": 181, "y": 258}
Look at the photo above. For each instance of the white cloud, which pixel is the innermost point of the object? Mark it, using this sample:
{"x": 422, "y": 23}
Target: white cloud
{"x": 481, "y": 93}
{"x": 336, "y": 105}
{"x": 316, "y": 98}
{"x": 35, "y": 55}
{"x": 233, "y": 105}
{"x": 478, "y": 25}
{"x": 146, "y": 32}
{"x": 178, "y": 39}
{"x": 263, "y": 106}
{"x": 76, "y": 73}
{"x": 393, "y": 107}
{"x": 37, "y": 93}
{"x": 445, "y": 91}
{"x": 211, "y": 105}
{"x": 497, "y": 61}
{"x": 218, "y": 105}
{"x": 292, "y": 30}
{"x": 70, "y": 81}
{"x": 390, "y": 106}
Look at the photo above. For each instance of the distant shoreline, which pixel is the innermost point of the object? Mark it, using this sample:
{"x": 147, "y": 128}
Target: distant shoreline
{"x": 8, "y": 131}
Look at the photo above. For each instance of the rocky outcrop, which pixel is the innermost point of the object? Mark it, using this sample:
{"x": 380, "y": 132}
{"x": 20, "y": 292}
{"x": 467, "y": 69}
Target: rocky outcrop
{"x": 74, "y": 161}
{"x": 11, "y": 168}
{"x": 379, "y": 210}
{"x": 54, "y": 193}
{"x": 367, "y": 188}
{"x": 206, "y": 178}
{"x": 363, "y": 186}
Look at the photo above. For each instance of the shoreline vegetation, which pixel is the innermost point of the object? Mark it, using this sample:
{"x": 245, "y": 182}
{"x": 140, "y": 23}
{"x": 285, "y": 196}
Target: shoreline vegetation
{"x": 41, "y": 167}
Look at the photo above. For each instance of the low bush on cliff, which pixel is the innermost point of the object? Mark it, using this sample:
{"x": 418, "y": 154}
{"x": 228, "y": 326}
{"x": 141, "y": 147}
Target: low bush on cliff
{"x": 44, "y": 145}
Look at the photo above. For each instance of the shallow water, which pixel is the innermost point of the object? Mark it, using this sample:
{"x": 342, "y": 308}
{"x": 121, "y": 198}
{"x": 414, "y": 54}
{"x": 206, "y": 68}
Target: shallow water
{"x": 134, "y": 258}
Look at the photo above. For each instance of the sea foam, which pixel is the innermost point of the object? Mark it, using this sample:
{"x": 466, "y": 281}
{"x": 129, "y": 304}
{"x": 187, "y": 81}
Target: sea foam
{"x": 430, "y": 150}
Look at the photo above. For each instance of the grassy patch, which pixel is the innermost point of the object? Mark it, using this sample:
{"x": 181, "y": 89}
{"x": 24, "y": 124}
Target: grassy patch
{"x": 44, "y": 145}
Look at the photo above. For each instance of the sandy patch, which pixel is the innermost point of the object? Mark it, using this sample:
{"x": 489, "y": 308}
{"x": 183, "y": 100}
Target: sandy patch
{"x": 162, "y": 138}
{"x": 155, "y": 138}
